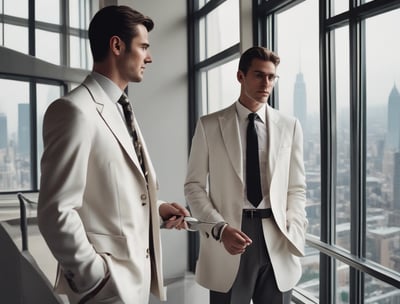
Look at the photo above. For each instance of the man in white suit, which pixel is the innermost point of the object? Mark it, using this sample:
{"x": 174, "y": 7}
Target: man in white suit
{"x": 98, "y": 209}
{"x": 253, "y": 252}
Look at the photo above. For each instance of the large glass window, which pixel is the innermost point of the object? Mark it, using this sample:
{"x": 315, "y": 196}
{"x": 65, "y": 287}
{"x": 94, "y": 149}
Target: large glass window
{"x": 24, "y": 98}
{"x": 16, "y": 8}
{"x": 221, "y": 86}
{"x": 383, "y": 140}
{"x": 42, "y": 9}
{"x": 219, "y": 29}
{"x": 15, "y": 146}
{"x": 48, "y": 46}
{"x": 58, "y": 39}
{"x": 16, "y": 37}
{"x": 15, "y": 135}
{"x": 341, "y": 100}
{"x": 298, "y": 91}
{"x": 358, "y": 160}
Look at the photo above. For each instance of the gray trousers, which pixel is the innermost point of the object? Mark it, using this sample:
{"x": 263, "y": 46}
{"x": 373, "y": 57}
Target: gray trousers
{"x": 255, "y": 279}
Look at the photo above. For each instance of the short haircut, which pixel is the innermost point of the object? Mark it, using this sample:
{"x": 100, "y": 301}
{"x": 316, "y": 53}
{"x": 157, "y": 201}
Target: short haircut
{"x": 257, "y": 52}
{"x": 111, "y": 21}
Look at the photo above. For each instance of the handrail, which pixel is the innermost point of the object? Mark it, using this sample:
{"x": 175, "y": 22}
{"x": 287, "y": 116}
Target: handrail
{"x": 361, "y": 264}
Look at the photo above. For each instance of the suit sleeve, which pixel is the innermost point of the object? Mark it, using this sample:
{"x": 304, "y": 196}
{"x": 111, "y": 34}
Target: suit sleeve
{"x": 196, "y": 191}
{"x": 296, "y": 200}
{"x": 67, "y": 144}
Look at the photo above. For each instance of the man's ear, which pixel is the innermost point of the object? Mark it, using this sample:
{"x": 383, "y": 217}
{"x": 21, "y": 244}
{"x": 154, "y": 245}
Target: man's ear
{"x": 240, "y": 76}
{"x": 116, "y": 45}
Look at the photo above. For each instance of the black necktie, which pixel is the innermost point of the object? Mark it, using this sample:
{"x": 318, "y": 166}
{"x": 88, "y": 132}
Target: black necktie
{"x": 253, "y": 183}
{"x": 128, "y": 113}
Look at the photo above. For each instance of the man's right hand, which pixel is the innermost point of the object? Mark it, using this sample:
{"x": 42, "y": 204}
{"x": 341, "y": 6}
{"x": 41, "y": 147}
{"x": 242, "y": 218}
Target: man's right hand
{"x": 234, "y": 240}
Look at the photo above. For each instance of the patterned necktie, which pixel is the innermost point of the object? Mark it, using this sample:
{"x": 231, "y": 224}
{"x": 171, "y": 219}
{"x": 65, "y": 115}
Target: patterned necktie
{"x": 253, "y": 183}
{"x": 128, "y": 113}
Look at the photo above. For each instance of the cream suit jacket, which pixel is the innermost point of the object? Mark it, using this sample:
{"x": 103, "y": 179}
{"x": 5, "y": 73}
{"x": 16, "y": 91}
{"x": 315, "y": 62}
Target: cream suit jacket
{"x": 95, "y": 207}
{"x": 214, "y": 190}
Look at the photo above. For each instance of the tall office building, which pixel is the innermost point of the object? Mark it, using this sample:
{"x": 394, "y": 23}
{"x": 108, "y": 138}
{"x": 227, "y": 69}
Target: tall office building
{"x": 300, "y": 101}
{"x": 396, "y": 182}
{"x": 3, "y": 131}
{"x": 393, "y": 131}
{"x": 23, "y": 129}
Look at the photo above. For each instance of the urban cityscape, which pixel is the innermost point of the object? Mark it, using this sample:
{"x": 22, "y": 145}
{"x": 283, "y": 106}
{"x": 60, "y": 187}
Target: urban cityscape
{"x": 382, "y": 193}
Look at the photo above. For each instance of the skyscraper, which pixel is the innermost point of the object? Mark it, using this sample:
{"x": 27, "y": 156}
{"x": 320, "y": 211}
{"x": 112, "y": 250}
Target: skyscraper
{"x": 3, "y": 131}
{"x": 393, "y": 130}
{"x": 300, "y": 101}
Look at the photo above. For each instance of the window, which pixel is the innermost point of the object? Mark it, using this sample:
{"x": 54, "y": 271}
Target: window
{"x": 25, "y": 92}
{"x": 382, "y": 185}
{"x": 16, "y": 134}
{"x": 57, "y": 39}
{"x": 216, "y": 27}
{"x": 298, "y": 91}
{"x": 352, "y": 205}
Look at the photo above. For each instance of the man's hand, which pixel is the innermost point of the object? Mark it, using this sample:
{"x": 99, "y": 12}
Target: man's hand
{"x": 234, "y": 240}
{"x": 173, "y": 214}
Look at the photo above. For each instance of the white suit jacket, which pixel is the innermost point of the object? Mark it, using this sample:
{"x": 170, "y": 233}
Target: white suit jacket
{"x": 214, "y": 190}
{"x": 94, "y": 203}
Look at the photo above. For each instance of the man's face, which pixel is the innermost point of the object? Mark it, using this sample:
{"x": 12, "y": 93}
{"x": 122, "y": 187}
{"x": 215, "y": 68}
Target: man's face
{"x": 133, "y": 62}
{"x": 257, "y": 84}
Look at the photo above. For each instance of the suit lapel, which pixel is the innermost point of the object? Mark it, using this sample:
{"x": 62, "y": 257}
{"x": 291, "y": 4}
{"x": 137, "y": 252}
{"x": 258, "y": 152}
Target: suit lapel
{"x": 274, "y": 138}
{"x": 109, "y": 113}
{"x": 231, "y": 138}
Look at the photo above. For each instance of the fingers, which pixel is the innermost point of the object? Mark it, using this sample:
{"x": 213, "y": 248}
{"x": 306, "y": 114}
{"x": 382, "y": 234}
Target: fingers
{"x": 180, "y": 209}
{"x": 235, "y": 241}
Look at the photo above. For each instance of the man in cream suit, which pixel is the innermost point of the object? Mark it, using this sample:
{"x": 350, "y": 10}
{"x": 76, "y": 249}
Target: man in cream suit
{"x": 98, "y": 209}
{"x": 253, "y": 252}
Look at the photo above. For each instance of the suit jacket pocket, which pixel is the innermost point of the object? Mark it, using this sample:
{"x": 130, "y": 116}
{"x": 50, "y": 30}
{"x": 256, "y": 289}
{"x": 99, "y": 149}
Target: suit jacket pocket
{"x": 115, "y": 245}
{"x": 107, "y": 294}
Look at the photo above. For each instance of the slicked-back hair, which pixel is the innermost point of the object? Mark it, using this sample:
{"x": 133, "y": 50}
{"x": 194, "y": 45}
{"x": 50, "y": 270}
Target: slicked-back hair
{"x": 111, "y": 21}
{"x": 257, "y": 52}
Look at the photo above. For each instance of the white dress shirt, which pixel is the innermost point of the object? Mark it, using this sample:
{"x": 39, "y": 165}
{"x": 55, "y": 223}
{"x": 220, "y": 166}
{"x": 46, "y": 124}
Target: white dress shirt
{"x": 261, "y": 126}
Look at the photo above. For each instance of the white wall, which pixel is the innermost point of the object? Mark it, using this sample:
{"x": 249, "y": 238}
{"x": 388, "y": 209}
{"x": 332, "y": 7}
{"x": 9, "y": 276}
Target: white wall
{"x": 161, "y": 107}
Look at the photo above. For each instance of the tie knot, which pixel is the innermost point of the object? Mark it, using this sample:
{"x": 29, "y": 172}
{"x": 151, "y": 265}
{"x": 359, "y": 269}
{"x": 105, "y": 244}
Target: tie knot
{"x": 123, "y": 100}
{"x": 252, "y": 116}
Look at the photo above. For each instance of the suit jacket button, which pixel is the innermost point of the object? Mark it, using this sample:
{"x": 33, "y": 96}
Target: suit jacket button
{"x": 143, "y": 197}
{"x": 147, "y": 253}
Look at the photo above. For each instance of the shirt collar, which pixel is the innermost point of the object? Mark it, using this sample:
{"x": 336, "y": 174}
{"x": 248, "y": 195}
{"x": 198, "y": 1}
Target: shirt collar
{"x": 109, "y": 87}
{"x": 244, "y": 112}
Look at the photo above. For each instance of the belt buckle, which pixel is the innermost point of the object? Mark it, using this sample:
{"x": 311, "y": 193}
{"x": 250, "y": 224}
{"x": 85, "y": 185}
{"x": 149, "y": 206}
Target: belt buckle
{"x": 252, "y": 212}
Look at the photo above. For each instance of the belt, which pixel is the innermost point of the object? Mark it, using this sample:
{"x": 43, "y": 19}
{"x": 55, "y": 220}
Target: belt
{"x": 259, "y": 213}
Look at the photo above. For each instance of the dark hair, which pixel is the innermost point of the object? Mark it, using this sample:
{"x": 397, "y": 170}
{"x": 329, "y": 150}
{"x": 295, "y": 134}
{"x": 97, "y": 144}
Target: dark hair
{"x": 111, "y": 21}
{"x": 257, "y": 52}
